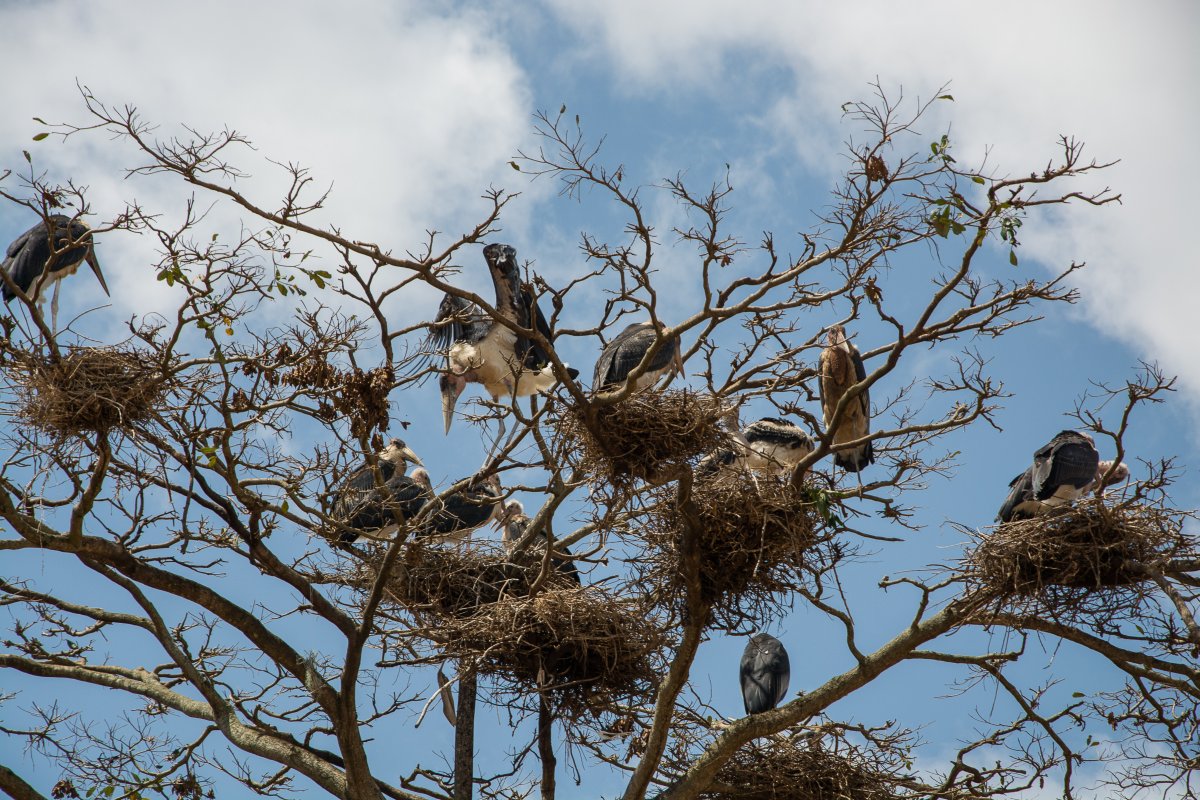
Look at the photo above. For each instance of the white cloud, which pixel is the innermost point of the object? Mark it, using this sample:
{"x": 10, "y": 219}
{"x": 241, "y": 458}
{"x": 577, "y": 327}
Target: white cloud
{"x": 407, "y": 114}
{"x": 1115, "y": 75}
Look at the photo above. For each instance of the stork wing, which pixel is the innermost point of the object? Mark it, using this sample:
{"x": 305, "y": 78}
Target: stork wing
{"x": 457, "y": 320}
{"x": 462, "y": 512}
{"x": 1020, "y": 489}
{"x": 765, "y": 675}
{"x": 626, "y": 351}
{"x": 26, "y": 259}
{"x": 19, "y": 243}
{"x": 860, "y": 375}
{"x": 1070, "y": 458}
{"x": 530, "y": 354}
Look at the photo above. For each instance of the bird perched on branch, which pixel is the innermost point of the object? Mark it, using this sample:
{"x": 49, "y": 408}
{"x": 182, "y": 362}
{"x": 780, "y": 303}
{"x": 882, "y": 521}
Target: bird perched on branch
{"x": 841, "y": 368}
{"x": 463, "y": 511}
{"x": 627, "y": 350}
{"x": 47, "y": 253}
{"x": 479, "y": 349}
{"x": 366, "y": 503}
{"x": 1063, "y": 470}
{"x": 515, "y": 523}
{"x": 765, "y": 673}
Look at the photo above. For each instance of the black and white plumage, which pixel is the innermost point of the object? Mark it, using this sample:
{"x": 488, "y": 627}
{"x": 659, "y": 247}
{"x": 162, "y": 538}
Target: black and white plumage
{"x": 770, "y": 445}
{"x": 366, "y": 503}
{"x": 1065, "y": 469}
{"x": 516, "y": 523}
{"x": 841, "y": 367}
{"x": 32, "y": 262}
{"x": 765, "y": 673}
{"x": 626, "y": 351}
{"x": 479, "y": 349}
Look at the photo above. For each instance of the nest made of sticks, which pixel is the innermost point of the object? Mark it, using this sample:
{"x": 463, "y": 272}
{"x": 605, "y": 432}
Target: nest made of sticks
{"x": 1086, "y": 546}
{"x": 643, "y": 437}
{"x": 783, "y": 768}
{"x": 753, "y": 539}
{"x": 89, "y": 389}
{"x": 535, "y": 630}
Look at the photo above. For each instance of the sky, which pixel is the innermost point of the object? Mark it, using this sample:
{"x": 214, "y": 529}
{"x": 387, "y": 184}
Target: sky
{"x": 410, "y": 111}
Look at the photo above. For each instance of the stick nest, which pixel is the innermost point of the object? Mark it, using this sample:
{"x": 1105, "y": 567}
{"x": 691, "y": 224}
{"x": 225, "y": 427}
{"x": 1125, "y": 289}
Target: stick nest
{"x": 753, "y": 541}
{"x": 787, "y": 769}
{"x": 645, "y": 436}
{"x": 583, "y": 645}
{"x": 90, "y": 389}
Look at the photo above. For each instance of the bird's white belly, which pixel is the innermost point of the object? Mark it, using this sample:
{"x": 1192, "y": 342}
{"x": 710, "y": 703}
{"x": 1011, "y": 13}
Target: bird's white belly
{"x": 497, "y": 367}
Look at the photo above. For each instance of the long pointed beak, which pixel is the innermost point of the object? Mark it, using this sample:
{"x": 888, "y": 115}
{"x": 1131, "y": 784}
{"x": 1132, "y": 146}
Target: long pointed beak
{"x": 411, "y": 457}
{"x": 679, "y": 359}
{"x": 449, "y": 399}
{"x": 95, "y": 265}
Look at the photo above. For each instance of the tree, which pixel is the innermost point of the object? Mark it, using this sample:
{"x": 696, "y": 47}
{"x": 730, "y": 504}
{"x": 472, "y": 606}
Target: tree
{"x": 190, "y": 471}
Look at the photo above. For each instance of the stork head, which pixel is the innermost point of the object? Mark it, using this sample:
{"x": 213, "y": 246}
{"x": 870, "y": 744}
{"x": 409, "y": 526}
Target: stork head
{"x": 420, "y": 476}
{"x": 399, "y": 454}
{"x": 837, "y": 336}
{"x": 1120, "y": 473}
{"x": 72, "y": 233}
{"x": 501, "y": 256}
{"x": 512, "y": 522}
{"x": 451, "y": 387}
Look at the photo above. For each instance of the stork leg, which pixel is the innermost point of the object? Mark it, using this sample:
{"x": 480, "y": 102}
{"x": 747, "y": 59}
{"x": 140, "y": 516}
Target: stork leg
{"x": 54, "y": 308}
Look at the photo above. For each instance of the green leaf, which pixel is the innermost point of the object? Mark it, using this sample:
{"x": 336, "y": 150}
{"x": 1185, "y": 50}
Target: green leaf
{"x": 285, "y": 506}
{"x": 563, "y": 110}
{"x": 37, "y": 137}
{"x": 949, "y": 97}
{"x": 1012, "y": 257}
{"x": 39, "y": 119}
{"x": 978, "y": 179}
{"x": 515, "y": 165}
{"x": 1078, "y": 694}
{"x": 27, "y": 156}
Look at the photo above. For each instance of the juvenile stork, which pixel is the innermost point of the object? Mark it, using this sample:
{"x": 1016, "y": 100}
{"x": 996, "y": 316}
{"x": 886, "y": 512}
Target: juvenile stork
{"x": 1065, "y": 469}
{"x": 769, "y": 445}
{"x": 481, "y": 350}
{"x": 626, "y": 351}
{"x": 47, "y": 253}
{"x": 841, "y": 367}
{"x": 364, "y": 504}
{"x": 460, "y": 513}
{"x": 516, "y": 523}
{"x": 765, "y": 673}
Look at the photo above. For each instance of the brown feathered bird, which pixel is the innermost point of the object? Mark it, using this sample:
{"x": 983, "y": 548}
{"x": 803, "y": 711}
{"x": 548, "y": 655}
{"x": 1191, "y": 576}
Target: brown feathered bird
{"x": 841, "y": 368}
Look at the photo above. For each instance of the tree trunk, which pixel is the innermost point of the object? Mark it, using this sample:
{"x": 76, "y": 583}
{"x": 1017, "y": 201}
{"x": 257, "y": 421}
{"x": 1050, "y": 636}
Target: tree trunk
{"x": 464, "y": 739}
{"x": 546, "y": 746}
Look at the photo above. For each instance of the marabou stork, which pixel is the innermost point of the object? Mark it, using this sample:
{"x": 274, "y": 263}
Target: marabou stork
{"x": 841, "y": 367}
{"x": 765, "y": 673}
{"x": 516, "y": 522}
{"x": 33, "y": 262}
{"x": 626, "y": 351}
{"x": 1064, "y": 470}
{"x": 481, "y": 350}
{"x": 366, "y": 505}
{"x": 460, "y": 513}
{"x": 770, "y": 445}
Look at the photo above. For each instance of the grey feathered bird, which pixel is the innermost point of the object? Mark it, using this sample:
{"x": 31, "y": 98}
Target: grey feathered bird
{"x": 765, "y": 673}
{"x": 626, "y": 351}
{"x": 841, "y": 367}
{"x": 769, "y": 445}
{"x": 478, "y": 349}
{"x": 1063, "y": 470}
{"x": 32, "y": 262}
{"x": 364, "y": 504}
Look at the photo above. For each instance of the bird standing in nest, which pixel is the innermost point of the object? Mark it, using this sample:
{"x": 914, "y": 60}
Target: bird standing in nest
{"x": 769, "y": 445}
{"x": 1065, "y": 469}
{"x": 628, "y": 349}
{"x": 515, "y": 522}
{"x": 45, "y": 254}
{"x": 364, "y": 504}
{"x": 841, "y": 367}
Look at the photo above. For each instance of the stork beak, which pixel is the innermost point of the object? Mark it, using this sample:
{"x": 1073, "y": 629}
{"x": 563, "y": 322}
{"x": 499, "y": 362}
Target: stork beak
{"x": 679, "y": 359}
{"x": 95, "y": 265}
{"x": 411, "y": 457}
{"x": 451, "y": 389}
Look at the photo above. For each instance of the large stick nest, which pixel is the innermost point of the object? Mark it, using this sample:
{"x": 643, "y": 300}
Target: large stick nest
{"x": 526, "y": 623}
{"x": 1062, "y": 559}
{"x": 89, "y": 389}
{"x": 750, "y": 540}
{"x": 785, "y": 769}
{"x": 646, "y": 436}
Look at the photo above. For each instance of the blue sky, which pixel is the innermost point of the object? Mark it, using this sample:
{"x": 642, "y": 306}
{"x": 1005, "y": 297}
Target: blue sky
{"x": 411, "y": 110}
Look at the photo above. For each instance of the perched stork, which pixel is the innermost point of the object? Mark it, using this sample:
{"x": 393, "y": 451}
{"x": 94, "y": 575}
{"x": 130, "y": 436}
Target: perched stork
{"x": 481, "y": 350}
{"x": 626, "y": 351}
{"x": 516, "y": 522}
{"x": 47, "y": 253}
{"x": 463, "y": 511}
{"x": 768, "y": 445}
{"x": 365, "y": 505}
{"x": 765, "y": 673}
{"x": 1064, "y": 470}
{"x": 841, "y": 367}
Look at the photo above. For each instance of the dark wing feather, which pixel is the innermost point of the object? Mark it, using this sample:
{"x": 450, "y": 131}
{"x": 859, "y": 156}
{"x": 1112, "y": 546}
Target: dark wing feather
{"x": 457, "y": 320}
{"x": 626, "y": 351}
{"x": 463, "y": 510}
{"x": 765, "y": 673}
{"x": 361, "y": 505}
{"x": 529, "y": 353}
{"x": 27, "y": 259}
{"x": 1069, "y": 459}
{"x": 1020, "y": 490}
